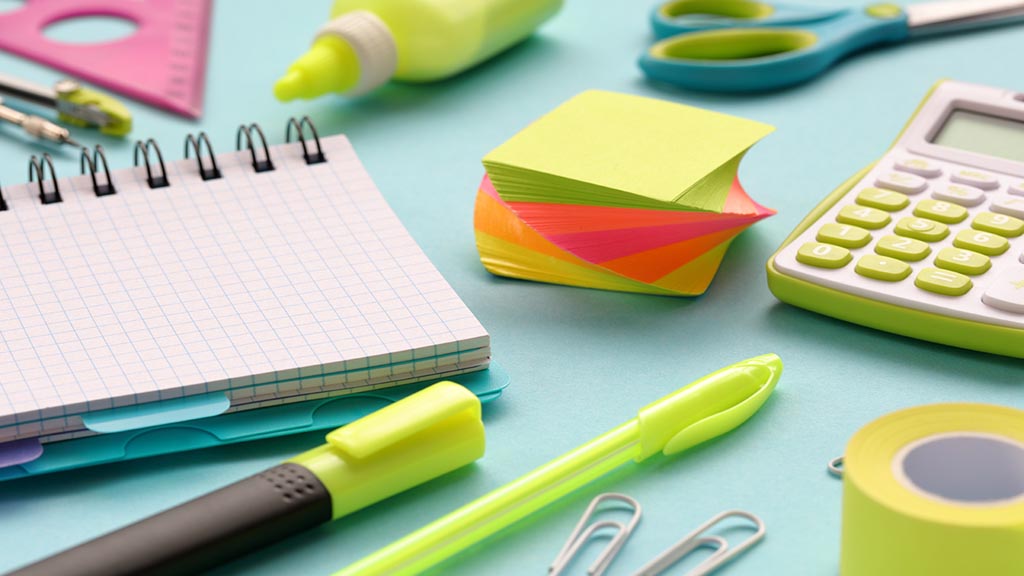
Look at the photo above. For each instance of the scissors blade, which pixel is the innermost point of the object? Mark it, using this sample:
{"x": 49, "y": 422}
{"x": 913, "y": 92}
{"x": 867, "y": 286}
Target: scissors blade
{"x": 961, "y": 14}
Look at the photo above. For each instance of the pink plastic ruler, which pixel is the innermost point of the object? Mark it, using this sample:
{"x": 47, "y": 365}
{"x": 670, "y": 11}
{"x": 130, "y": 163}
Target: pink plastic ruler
{"x": 163, "y": 63}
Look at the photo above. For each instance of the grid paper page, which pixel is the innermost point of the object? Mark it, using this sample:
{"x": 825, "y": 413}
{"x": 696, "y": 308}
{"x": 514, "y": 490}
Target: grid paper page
{"x": 246, "y": 284}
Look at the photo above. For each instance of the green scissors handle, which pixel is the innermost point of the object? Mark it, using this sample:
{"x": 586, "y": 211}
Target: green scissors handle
{"x": 786, "y": 46}
{"x": 742, "y": 45}
{"x": 680, "y": 16}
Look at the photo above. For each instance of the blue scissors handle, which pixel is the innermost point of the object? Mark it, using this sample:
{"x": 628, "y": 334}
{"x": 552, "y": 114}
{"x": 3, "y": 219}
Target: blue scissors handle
{"x": 680, "y": 16}
{"x": 738, "y": 59}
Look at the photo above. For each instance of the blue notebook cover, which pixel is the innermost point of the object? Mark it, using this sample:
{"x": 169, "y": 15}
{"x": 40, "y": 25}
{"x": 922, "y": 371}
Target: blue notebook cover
{"x": 28, "y": 457}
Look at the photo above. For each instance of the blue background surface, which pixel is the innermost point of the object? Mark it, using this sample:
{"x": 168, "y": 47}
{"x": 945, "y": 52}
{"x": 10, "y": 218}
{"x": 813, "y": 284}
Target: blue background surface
{"x": 581, "y": 361}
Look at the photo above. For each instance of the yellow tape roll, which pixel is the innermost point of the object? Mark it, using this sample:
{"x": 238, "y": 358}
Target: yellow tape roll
{"x": 935, "y": 491}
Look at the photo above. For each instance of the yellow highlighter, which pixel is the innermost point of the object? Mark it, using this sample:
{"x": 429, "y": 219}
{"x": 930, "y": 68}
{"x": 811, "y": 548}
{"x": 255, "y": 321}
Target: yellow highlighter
{"x": 416, "y": 439}
{"x": 693, "y": 414}
{"x": 368, "y": 42}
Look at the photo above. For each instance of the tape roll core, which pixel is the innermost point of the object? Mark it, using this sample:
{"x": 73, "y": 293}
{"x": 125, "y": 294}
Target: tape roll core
{"x": 964, "y": 468}
{"x": 935, "y": 491}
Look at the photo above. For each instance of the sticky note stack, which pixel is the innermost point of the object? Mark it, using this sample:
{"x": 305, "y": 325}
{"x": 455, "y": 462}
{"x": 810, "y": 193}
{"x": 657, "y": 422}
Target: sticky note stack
{"x": 617, "y": 192}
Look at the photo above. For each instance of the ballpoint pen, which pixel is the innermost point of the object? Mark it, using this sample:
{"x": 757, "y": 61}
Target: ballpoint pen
{"x": 698, "y": 412}
{"x": 416, "y": 439}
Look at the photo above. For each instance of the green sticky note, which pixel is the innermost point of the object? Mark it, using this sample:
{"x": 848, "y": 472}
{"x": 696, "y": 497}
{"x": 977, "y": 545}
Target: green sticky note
{"x": 608, "y": 149}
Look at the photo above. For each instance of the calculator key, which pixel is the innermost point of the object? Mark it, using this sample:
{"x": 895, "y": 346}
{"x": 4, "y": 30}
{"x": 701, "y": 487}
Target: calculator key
{"x": 901, "y": 182}
{"x": 1017, "y": 188}
{"x": 919, "y": 166}
{"x": 984, "y": 242}
{"x": 823, "y": 255}
{"x": 883, "y": 199}
{"x": 882, "y": 268}
{"x": 963, "y": 261}
{"x": 959, "y": 194}
{"x": 999, "y": 224}
{"x": 975, "y": 178}
{"x": 940, "y": 210}
{"x": 845, "y": 235}
{"x": 1007, "y": 291}
{"x": 944, "y": 282}
{"x": 922, "y": 229}
{"x": 1009, "y": 205}
{"x": 863, "y": 216}
{"x": 902, "y": 248}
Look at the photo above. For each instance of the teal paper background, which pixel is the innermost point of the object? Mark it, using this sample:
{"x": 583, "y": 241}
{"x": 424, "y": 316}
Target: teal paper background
{"x": 581, "y": 361}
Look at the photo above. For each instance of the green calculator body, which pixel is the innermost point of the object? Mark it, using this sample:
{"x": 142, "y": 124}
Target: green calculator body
{"x": 929, "y": 241}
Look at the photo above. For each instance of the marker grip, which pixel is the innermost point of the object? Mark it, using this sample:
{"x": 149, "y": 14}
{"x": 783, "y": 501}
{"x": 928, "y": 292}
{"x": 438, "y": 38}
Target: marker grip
{"x": 202, "y": 533}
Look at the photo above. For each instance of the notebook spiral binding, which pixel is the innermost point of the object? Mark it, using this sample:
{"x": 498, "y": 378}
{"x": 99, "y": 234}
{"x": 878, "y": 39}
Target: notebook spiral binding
{"x": 37, "y": 167}
{"x": 93, "y": 162}
{"x": 264, "y": 165}
{"x": 300, "y": 125}
{"x": 249, "y": 137}
{"x": 211, "y": 173}
{"x": 159, "y": 181}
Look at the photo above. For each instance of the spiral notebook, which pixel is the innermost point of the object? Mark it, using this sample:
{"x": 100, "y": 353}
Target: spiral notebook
{"x": 212, "y": 284}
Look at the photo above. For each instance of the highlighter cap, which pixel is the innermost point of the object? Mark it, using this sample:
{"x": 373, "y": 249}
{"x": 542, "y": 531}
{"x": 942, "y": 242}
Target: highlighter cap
{"x": 430, "y": 433}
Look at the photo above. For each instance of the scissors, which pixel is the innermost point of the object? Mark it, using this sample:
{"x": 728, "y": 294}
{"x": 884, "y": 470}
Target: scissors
{"x": 745, "y": 45}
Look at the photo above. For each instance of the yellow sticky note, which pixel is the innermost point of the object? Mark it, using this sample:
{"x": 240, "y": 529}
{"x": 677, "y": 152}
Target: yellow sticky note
{"x": 604, "y": 148}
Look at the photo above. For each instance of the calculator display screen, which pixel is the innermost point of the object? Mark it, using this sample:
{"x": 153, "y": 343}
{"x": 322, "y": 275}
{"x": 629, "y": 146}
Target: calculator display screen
{"x": 984, "y": 134}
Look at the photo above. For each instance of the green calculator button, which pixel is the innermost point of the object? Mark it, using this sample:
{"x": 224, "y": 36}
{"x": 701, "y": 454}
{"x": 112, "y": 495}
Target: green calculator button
{"x": 944, "y": 282}
{"x": 882, "y": 268}
{"x": 984, "y": 242}
{"x": 963, "y": 261}
{"x": 863, "y": 216}
{"x": 883, "y": 199}
{"x": 922, "y": 229}
{"x": 999, "y": 224}
{"x": 940, "y": 210}
{"x": 902, "y": 248}
{"x": 823, "y": 255}
{"x": 844, "y": 235}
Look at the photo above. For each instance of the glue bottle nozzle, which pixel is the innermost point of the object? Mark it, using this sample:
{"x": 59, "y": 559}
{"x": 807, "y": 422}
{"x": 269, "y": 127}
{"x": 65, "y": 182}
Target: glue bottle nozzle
{"x": 290, "y": 86}
{"x": 330, "y": 65}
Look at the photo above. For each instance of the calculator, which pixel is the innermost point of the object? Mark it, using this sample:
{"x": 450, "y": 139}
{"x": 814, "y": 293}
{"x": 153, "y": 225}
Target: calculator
{"x": 929, "y": 241}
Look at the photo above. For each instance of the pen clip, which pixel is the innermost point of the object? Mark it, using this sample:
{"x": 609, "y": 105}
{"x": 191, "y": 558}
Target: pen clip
{"x": 717, "y": 424}
{"x": 405, "y": 419}
{"x": 708, "y": 407}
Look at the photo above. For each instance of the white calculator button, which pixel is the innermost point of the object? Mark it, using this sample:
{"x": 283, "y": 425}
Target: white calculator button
{"x": 975, "y": 178}
{"x": 901, "y": 182}
{"x": 959, "y": 194}
{"x": 1007, "y": 291}
{"x": 1017, "y": 188}
{"x": 919, "y": 166}
{"x": 1009, "y": 205}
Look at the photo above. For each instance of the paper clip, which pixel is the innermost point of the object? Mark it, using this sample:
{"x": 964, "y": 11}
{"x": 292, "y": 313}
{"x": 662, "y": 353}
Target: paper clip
{"x": 723, "y": 552}
{"x": 584, "y": 532}
{"x": 835, "y": 467}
